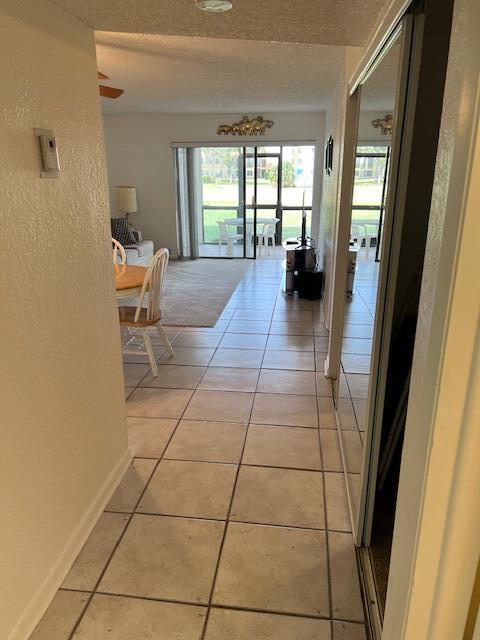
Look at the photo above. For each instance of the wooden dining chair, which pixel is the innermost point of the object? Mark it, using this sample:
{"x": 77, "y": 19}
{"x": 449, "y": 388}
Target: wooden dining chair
{"x": 147, "y": 313}
{"x": 118, "y": 249}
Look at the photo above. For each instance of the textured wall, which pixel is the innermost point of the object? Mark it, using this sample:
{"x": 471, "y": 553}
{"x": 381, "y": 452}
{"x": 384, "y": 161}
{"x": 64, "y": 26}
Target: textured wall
{"x": 435, "y": 545}
{"x": 62, "y": 411}
{"x": 335, "y": 127}
{"x": 139, "y": 153}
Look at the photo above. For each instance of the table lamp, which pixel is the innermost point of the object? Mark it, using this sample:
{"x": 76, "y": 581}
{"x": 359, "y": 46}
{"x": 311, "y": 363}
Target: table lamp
{"x": 126, "y": 201}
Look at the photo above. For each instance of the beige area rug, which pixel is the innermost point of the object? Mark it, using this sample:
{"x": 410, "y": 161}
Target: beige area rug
{"x": 196, "y": 291}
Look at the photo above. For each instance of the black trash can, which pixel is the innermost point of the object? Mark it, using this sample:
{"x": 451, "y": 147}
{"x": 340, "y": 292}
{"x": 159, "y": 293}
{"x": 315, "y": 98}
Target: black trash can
{"x": 309, "y": 284}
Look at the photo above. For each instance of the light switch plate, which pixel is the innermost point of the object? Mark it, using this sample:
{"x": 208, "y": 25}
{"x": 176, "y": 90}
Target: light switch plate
{"x": 47, "y": 144}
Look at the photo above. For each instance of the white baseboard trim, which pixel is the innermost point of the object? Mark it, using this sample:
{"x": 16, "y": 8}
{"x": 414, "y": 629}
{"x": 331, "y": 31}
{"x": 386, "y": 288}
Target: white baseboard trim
{"x": 40, "y": 602}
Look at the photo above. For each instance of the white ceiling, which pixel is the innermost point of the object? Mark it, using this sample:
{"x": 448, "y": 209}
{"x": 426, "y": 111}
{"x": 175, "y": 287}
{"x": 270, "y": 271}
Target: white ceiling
{"x": 177, "y": 74}
{"x": 336, "y": 22}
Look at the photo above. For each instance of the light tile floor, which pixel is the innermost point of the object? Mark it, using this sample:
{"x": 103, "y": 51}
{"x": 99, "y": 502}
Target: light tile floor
{"x": 232, "y": 522}
{"x": 356, "y": 360}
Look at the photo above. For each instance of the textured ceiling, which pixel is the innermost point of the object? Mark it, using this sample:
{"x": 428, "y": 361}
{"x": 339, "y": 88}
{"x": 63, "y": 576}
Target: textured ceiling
{"x": 336, "y": 22}
{"x": 175, "y": 74}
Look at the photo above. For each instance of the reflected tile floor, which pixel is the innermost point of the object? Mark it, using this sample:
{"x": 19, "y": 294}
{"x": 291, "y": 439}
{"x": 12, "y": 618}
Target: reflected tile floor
{"x": 356, "y": 360}
{"x": 232, "y": 521}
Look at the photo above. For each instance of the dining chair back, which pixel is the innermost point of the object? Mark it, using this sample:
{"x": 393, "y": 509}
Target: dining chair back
{"x": 147, "y": 312}
{"x": 149, "y": 298}
{"x": 118, "y": 249}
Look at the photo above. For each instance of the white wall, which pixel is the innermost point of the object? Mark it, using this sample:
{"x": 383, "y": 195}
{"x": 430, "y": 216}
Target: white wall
{"x": 139, "y": 153}
{"x": 63, "y": 437}
{"x": 334, "y": 118}
{"x": 436, "y": 543}
{"x": 335, "y": 127}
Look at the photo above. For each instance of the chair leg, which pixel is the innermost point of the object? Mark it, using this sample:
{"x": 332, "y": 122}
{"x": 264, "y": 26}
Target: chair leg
{"x": 163, "y": 335}
{"x": 151, "y": 356}
{"x": 128, "y": 336}
{"x": 230, "y": 248}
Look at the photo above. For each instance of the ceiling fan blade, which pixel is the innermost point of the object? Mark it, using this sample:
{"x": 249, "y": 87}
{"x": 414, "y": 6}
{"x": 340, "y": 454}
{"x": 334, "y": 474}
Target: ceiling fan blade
{"x": 101, "y": 76}
{"x": 109, "y": 92}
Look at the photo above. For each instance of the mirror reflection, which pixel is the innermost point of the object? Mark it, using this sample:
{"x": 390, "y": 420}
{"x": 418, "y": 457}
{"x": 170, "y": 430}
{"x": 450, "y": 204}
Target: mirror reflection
{"x": 370, "y": 189}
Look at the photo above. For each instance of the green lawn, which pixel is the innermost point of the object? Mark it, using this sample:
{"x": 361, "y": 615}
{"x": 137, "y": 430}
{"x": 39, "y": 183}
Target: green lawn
{"x": 366, "y": 192}
{"x": 291, "y": 223}
{"x": 210, "y": 226}
{"x": 227, "y": 194}
{"x": 366, "y": 214}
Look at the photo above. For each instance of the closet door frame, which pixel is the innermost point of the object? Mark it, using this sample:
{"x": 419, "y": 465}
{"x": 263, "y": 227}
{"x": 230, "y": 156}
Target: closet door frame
{"x": 393, "y": 220}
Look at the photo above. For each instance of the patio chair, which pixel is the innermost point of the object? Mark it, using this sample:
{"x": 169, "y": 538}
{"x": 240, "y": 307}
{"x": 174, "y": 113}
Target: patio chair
{"x": 266, "y": 234}
{"x": 358, "y": 232}
{"x": 226, "y": 236}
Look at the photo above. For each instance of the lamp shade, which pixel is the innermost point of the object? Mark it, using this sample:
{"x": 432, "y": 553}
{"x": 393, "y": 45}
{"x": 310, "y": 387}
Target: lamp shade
{"x": 126, "y": 199}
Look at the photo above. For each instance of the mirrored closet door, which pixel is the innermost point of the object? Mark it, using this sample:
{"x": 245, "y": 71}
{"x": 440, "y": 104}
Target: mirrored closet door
{"x": 392, "y": 128}
{"x": 368, "y": 253}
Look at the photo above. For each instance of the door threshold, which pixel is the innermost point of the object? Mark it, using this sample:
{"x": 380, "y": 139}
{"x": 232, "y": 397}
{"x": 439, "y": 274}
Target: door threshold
{"x": 373, "y": 614}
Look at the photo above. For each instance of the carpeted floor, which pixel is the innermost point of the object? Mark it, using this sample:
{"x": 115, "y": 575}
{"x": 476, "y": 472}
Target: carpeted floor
{"x": 196, "y": 291}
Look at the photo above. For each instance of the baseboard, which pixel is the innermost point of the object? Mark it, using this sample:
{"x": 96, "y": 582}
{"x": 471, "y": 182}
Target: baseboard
{"x": 373, "y": 619}
{"x": 39, "y": 603}
{"x": 351, "y": 512}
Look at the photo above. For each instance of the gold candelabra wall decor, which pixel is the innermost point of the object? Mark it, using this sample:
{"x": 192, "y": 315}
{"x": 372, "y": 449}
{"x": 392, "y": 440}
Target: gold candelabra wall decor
{"x": 246, "y": 127}
{"x": 386, "y": 124}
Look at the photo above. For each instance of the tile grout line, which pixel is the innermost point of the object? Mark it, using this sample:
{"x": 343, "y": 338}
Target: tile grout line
{"x": 227, "y": 520}
{"x": 289, "y": 614}
{"x": 327, "y": 542}
{"x": 92, "y": 593}
{"x": 211, "y": 519}
{"x": 110, "y": 557}
{"x": 102, "y": 573}
{"x": 208, "y": 365}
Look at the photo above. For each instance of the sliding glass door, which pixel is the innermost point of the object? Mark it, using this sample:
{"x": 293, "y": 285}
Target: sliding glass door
{"x": 262, "y": 199}
{"x": 297, "y": 189}
{"x": 369, "y": 196}
{"x": 242, "y": 202}
{"x": 219, "y": 173}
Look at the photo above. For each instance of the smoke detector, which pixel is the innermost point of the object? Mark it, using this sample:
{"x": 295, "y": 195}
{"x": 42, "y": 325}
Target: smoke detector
{"x": 214, "y": 6}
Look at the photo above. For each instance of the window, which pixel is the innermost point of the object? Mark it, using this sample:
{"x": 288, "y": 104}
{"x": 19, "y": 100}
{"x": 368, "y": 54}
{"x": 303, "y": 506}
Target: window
{"x": 369, "y": 193}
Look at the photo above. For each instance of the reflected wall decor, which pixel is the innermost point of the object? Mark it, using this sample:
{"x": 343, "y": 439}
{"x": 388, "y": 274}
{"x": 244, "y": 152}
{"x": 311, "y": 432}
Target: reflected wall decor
{"x": 329, "y": 156}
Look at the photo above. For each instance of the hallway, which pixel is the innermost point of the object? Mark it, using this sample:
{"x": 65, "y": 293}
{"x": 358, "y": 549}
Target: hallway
{"x": 232, "y": 522}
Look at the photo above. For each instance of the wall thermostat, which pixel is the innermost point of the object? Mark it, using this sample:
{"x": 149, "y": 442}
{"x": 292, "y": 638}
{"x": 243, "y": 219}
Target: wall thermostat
{"x": 50, "y": 166}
